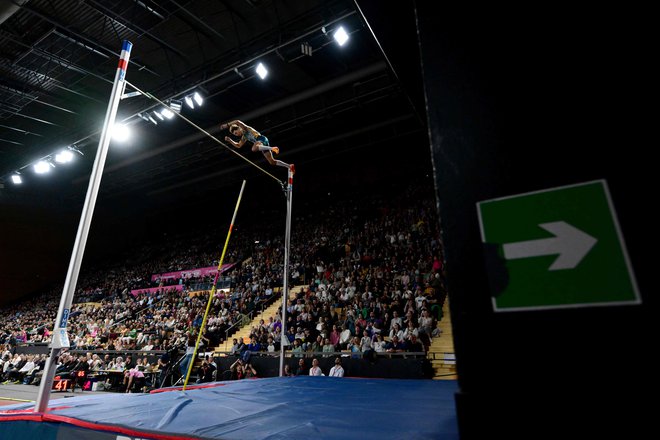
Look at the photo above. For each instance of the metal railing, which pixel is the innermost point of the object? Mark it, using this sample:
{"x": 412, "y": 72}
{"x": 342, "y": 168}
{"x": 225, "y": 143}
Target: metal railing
{"x": 104, "y": 352}
{"x": 223, "y": 283}
{"x": 137, "y": 313}
{"x": 326, "y": 354}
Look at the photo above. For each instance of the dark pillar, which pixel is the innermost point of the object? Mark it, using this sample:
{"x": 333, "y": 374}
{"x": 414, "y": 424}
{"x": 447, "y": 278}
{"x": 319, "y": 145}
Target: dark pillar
{"x": 521, "y": 100}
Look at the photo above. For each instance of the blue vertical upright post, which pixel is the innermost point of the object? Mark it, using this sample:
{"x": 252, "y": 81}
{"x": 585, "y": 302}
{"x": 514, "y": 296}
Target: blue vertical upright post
{"x": 60, "y": 338}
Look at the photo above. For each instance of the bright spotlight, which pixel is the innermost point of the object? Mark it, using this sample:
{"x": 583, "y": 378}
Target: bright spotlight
{"x": 189, "y": 102}
{"x": 198, "y": 99}
{"x": 169, "y": 114}
{"x": 175, "y": 105}
{"x": 41, "y": 167}
{"x": 16, "y": 179}
{"x": 121, "y": 133}
{"x": 64, "y": 156}
{"x": 340, "y": 36}
{"x": 262, "y": 71}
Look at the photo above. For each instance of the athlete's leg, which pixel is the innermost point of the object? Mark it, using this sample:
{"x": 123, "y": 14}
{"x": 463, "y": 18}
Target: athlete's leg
{"x": 258, "y": 146}
{"x": 269, "y": 157}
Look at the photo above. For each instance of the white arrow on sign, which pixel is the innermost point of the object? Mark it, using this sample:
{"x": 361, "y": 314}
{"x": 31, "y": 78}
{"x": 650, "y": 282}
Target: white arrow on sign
{"x": 569, "y": 242}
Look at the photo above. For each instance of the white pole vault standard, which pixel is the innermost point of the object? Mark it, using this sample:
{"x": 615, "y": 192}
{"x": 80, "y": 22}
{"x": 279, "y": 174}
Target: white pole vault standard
{"x": 60, "y": 337}
{"x": 287, "y": 246}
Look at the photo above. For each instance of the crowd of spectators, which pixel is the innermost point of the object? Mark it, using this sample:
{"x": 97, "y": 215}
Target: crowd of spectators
{"x": 373, "y": 276}
{"x": 372, "y": 270}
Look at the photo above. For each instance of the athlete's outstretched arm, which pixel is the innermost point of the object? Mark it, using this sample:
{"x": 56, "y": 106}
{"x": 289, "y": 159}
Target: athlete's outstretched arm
{"x": 237, "y": 122}
{"x": 238, "y": 144}
{"x": 226, "y": 125}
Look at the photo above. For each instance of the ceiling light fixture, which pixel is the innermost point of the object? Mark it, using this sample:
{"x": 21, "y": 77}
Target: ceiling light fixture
{"x": 262, "y": 71}
{"x": 175, "y": 105}
{"x": 64, "y": 156}
{"x": 41, "y": 167}
{"x": 169, "y": 114}
{"x": 121, "y": 133}
{"x": 189, "y": 102}
{"x": 340, "y": 36}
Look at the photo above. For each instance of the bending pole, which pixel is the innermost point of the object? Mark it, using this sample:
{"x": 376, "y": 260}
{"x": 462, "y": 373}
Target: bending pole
{"x": 60, "y": 338}
{"x": 217, "y": 274}
{"x": 287, "y": 245}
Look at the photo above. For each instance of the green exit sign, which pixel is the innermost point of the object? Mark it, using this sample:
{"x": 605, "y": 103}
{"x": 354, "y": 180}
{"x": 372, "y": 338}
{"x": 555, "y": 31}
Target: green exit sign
{"x": 556, "y": 248}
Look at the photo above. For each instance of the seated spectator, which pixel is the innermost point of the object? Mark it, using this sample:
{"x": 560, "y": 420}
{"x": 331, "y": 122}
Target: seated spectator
{"x": 354, "y": 347}
{"x": 297, "y": 349}
{"x": 300, "y": 334}
{"x": 395, "y": 346}
{"x": 337, "y": 370}
{"x": 133, "y": 375}
{"x": 249, "y": 371}
{"x": 334, "y": 336}
{"x": 302, "y": 368}
{"x": 396, "y": 319}
{"x": 317, "y": 346}
{"x": 410, "y": 331}
{"x": 410, "y": 317}
{"x": 376, "y": 326}
{"x": 16, "y": 374}
{"x": 315, "y": 370}
{"x": 34, "y": 375}
{"x": 308, "y": 340}
{"x": 426, "y": 323}
{"x": 345, "y": 337}
{"x": 365, "y": 342}
{"x": 117, "y": 364}
{"x": 413, "y": 345}
{"x": 96, "y": 363}
{"x": 205, "y": 372}
{"x": 128, "y": 362}
{"x": 254, "y": 346}
{"x": 396, "y": 331}
{"x": 237, "y": 347}
{"x": 237, "y": 371}
{"x": 379, "y": 344}
{"x": 270, "y": 348}
{"x": 328, "y": 347}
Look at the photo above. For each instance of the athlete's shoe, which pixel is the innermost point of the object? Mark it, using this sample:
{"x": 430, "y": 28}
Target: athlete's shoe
{"x": 275, "y": 150}
{"x": 292, "y": 167}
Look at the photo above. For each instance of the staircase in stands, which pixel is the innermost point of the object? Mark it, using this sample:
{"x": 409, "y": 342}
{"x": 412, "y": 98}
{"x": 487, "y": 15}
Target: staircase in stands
{"x": 244, "y": 332}
{"x": 441, "y": 353}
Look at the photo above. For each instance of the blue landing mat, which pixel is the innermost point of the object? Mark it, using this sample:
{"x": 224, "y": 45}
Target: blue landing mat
{"x": 274, "y": 408}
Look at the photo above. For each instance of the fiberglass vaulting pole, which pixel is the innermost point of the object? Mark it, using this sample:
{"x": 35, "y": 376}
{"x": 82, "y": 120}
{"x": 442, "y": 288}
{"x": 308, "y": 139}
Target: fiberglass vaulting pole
{"x": 213, "y": 289}
{"x": 60, "y": 338}
{"x": 285, "y": 290}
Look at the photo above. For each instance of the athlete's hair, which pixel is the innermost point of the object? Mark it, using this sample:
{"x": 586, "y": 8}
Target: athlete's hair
{"x": 233, "y": 127}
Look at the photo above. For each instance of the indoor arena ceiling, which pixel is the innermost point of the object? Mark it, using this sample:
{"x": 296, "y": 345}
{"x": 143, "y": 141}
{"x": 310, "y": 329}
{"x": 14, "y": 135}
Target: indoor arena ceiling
{"x": 58, "y": 60}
